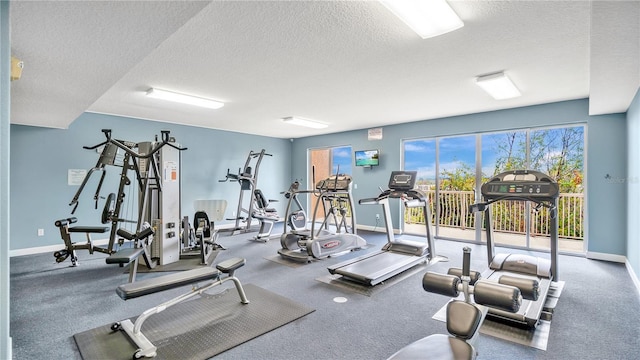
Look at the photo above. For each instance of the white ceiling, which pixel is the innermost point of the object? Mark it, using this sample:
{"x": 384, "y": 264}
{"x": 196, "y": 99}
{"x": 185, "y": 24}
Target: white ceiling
{"x": 351, "y": 64}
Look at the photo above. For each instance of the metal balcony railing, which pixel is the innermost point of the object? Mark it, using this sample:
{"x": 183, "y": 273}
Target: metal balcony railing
{"x": 508, "y": 216}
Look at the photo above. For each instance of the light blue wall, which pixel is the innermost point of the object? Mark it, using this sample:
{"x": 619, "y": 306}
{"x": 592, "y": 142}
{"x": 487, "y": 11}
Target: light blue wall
{"x": 41, "y": 158}
{"x": 633, "y": 185}
{"x": 607, "y": 197}
{"x": 606, "y": 147}
{"x": 5, "y": 70}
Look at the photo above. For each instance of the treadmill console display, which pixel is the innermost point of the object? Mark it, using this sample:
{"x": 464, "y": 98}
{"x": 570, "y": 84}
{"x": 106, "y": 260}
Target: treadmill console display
{"x": 521, "y": 184}
{"x": 334, "y": 183}
{"x": 402, "y": 180}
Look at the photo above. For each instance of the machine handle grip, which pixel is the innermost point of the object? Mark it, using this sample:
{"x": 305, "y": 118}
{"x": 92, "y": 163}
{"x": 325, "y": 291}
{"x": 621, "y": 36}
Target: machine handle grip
{"x": 107, "y": 134}
{"x": 466, "y": 261}
{"x": 67, "y": 221}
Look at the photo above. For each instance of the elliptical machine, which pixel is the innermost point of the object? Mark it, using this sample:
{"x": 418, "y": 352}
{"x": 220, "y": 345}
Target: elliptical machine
{"x": 302, "y": 244}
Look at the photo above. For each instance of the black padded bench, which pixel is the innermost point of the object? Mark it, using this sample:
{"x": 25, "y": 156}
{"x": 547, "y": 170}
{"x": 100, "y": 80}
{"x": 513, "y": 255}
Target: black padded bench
{"x": 170, "y": 281}
{"x": 124, "y": 256}
{"x": 80, "y": 229}
{"x": 166, "y": 282}
{"x": 128, "y": 255}
{"x": 89, "y": 229}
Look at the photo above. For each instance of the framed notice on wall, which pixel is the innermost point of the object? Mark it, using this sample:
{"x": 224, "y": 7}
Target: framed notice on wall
{"x": 375, "y": 134}
{"x": 76, "y": 176}
{"x": 170, "y": 171}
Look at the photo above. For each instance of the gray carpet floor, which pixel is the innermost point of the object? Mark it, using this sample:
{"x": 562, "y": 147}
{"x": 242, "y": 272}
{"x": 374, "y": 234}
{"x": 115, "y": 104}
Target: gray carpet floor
{"x": 597, "y": 316}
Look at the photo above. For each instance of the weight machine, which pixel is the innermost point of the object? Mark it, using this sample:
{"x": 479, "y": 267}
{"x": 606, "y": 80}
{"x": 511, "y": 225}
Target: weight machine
{"x": 257, "y": 207}
{"x": 464, "y": 316}
{"x": 156, "y": 172}
{"x": 200, "y": 240}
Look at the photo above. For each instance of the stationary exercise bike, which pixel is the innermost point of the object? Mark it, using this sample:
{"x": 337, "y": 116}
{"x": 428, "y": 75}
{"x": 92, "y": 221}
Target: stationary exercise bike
{"x": 296, "y": 218}
{"x": 295, "y": 233}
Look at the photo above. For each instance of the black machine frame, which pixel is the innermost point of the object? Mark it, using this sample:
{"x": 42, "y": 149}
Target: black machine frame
{"x": 256, "y": 208}
{"x": 147, "y": 176}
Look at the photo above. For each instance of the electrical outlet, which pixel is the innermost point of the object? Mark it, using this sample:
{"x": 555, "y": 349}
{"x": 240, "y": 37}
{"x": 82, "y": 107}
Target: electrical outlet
{"x": 377, "y": 216}
{"x": 40, "y": 232}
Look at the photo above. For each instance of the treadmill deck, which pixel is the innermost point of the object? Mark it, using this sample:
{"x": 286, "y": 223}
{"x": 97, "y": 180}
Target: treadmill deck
{"x": 377, "y": 267}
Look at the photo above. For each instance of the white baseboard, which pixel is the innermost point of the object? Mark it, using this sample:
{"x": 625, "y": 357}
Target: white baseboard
{"x": 98, "y": 242}
{"x": 377, "y": 229}
{"x": 634, "y": 277}
{"x": 606, "y": 257}
{"x": 48, "y": 248}
{"x": 9, "y": 351}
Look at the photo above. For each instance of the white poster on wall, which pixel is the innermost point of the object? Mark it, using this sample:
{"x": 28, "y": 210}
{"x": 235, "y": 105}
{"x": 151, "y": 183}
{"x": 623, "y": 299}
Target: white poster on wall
{"x": 375, "y": 134}
{"x": 76, "y": 176}
{"x": 170, "y": 171}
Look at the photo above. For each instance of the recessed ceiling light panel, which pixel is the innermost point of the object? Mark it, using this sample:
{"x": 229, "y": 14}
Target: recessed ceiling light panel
{"x": 428, "y": 18}
{"x": 184, "y": 98}
{"x": 498, "y": 85}
{"x": 304, "y": 122}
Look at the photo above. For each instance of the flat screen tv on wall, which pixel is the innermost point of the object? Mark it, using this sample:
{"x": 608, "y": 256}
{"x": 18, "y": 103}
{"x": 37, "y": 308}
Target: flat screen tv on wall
{"x": 367, "y": 157}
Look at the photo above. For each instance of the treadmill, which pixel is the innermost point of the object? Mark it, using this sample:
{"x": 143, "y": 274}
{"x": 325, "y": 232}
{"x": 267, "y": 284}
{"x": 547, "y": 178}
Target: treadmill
{"x": 396, "y": 255}
{"x": 533, "y": 275}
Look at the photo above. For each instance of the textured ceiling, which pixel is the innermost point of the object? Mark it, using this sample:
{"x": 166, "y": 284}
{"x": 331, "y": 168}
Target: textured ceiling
{"x": 351, "y": 64}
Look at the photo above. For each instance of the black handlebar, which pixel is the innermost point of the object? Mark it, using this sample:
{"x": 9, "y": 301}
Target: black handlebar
{"x": 466, "y": 261}
{"x": 254, "y": 154}
{"x": 127, "y": 148}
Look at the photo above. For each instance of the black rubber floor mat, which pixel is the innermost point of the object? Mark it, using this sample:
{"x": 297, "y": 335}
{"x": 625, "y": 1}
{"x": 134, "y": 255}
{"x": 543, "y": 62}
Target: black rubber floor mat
{"x": 200, "y": 328}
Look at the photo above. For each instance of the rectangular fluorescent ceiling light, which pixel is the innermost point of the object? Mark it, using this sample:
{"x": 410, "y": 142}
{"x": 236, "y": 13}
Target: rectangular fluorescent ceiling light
{"x": 428, "y": 18}
{"x": 184, "y": 98}
{"x": 304, "y": 122}
{"x": 498, "y": 85}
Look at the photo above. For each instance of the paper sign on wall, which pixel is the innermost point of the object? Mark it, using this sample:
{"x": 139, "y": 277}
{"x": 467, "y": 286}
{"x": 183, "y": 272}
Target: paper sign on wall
{"x": 170, "y": 171}
{"x": 76, "y": 176}
{"x": 375, "y": 134}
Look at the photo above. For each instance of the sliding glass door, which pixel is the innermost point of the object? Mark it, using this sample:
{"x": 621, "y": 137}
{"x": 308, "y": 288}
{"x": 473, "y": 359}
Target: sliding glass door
{"x": 559, "y": 152}
{"x": 325, "y": 162}
{"x": 456, "y": 184}
{"x": 452, "y": 169}
{"x": 420, "y": 155}
{"x": 502, "y": 152}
